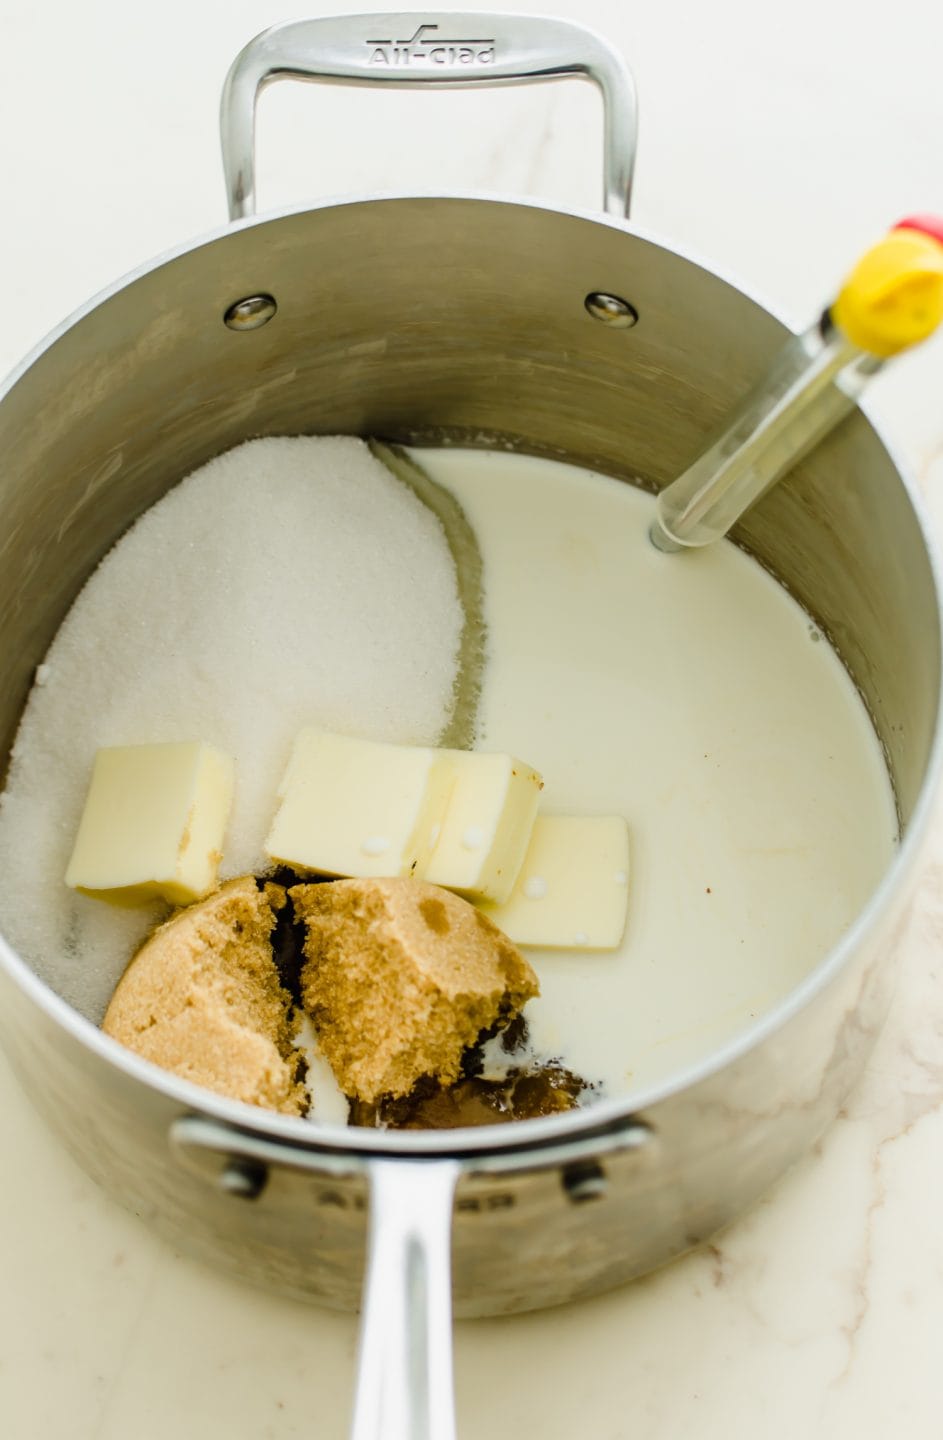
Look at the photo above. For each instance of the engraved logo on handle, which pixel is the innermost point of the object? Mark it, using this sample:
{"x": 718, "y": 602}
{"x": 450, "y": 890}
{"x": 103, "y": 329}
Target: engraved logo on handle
{"x": 428, "y": 47}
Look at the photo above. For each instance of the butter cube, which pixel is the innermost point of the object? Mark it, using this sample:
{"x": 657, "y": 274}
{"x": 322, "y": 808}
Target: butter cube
{"x": 487, "y": 825}
{"x": 153, "y": 823}
{"x": 358, "y": 808}
{"x": 572, "y": 890}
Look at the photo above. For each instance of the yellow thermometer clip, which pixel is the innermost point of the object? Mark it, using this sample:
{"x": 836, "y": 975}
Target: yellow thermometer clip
{"x": 893, "y": 298}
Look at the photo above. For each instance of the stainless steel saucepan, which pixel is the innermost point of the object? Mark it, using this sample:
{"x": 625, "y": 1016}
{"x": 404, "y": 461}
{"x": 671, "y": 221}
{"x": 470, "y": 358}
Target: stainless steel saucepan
{"x": 451, "y": 317}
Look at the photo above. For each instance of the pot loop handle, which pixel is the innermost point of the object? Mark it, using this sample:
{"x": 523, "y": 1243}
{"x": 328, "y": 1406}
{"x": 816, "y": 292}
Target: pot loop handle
{"x": 434, "y": 50}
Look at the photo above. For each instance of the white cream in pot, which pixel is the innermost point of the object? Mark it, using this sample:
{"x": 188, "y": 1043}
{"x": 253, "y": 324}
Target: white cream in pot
{"x": 693, "y": 695}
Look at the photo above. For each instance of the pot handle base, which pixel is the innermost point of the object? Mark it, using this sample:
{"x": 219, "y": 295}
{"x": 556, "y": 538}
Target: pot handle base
{"x": 435, "y": 51}
{"x": 404, "y": 1382}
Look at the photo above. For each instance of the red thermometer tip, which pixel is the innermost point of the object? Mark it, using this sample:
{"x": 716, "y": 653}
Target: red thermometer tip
{"x": 931, "y": 225}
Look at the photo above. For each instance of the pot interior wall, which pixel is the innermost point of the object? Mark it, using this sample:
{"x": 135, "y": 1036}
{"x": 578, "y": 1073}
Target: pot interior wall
{"x": 420, "y": 318}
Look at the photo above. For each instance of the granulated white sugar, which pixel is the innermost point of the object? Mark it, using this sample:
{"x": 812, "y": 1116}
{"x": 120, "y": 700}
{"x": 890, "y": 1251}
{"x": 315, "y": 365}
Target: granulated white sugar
{"x": 289, "y": 582}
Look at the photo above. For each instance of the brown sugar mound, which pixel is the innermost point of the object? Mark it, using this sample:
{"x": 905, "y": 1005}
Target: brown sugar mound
{"x": 202, "y": 998}
{"x": 400, "y": 978}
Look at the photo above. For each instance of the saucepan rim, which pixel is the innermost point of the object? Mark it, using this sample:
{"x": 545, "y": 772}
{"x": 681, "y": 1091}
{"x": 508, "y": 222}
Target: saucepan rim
{"x": 605, "y": 1114}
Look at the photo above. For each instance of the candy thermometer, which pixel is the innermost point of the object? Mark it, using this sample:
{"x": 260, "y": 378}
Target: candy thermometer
{"x": 891, "y": 300}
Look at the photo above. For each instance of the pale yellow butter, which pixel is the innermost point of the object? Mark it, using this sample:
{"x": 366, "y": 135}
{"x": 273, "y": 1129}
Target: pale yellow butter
{"x": 153, "y": 823}
{"x": 357, "y": 807}
{"x": 572, "y": 890}
{"x": 487, "y": 826}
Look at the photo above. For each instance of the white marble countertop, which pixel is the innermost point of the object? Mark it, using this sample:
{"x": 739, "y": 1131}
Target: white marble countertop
{"x": 777, "y": 143}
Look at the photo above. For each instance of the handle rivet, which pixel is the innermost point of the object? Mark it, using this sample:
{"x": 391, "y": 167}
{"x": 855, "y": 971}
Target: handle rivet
{"x": 611, "y": 310}
{"x": 245, "y": 1179}
{"x": 584, "y": 1181}
{"x": 251, "y": 313}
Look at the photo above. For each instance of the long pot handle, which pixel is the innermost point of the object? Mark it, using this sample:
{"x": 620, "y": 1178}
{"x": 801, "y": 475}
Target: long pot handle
{"x": 404, "y": 1377}
{"x": 433, "y": 50}
{"x": 404, "y": 1383}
